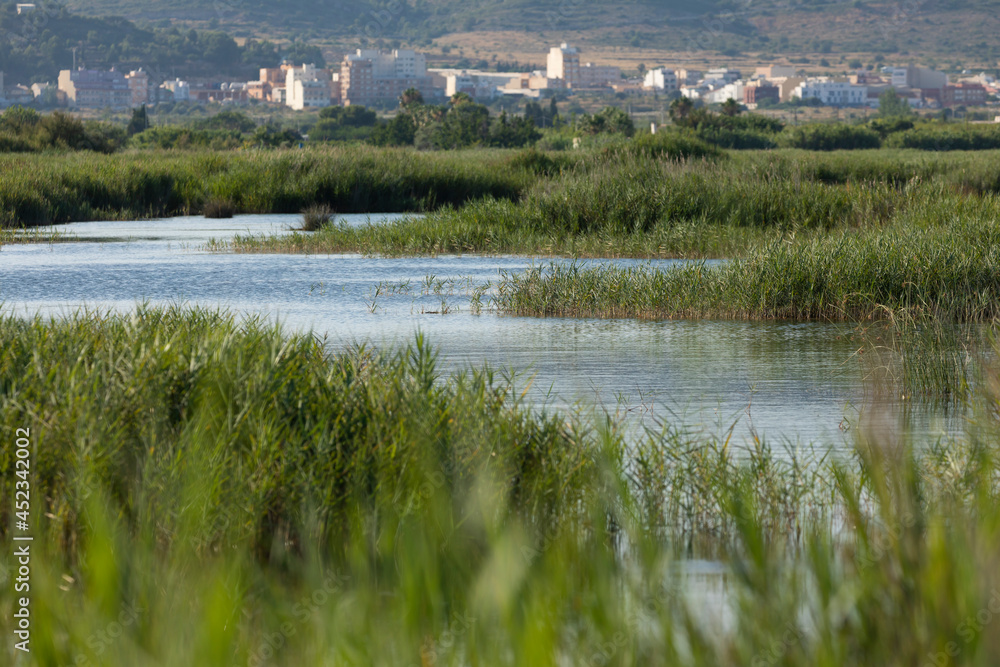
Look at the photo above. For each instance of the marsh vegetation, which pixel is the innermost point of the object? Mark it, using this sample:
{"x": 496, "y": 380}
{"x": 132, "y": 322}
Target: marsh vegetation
{"x": 234, "y": 491}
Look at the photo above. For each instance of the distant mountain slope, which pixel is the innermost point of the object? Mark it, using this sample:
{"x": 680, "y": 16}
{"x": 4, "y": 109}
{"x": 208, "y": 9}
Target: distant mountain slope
{"x": 35, "y": 46}
{"x": 966, "y": 28}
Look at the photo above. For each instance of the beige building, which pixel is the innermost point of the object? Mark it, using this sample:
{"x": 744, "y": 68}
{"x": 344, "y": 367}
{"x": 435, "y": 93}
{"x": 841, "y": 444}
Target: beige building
{"x": 138, "y": 85}
{"x": 786, "y": 85}
{"x": 357, "y": 80}
{"x": 772, "y": 72}
{"x": 95, "y": 89}
{"x": 592, "y": 76}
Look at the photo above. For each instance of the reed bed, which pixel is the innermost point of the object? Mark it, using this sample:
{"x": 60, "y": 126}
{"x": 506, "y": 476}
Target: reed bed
{"x": 630, "y": 190}
{"x": 622, "y": 204}
{"x": 46, "y": 189}
{"x": 917, "y": 266}
{"x": 213, "y": 491}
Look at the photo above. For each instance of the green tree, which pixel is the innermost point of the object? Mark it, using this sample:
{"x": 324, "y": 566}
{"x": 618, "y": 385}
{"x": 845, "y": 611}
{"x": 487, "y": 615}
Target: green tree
{"x": 891, "y": 105}
{"x": 465, "y": 124}
{"x": 411, "y": 97}
{"x": 554, "y": 119}
{"x": 731, "y": 108}
{"x": 400, "y": 131}
{"x": 139, "y": 121}
{"x": 350, "y": 116}
{"x": 227, "y": 120}
{"x": 610, "y": 120}
{"x": 512, "y": 133}
{"x": 680, "y": 109}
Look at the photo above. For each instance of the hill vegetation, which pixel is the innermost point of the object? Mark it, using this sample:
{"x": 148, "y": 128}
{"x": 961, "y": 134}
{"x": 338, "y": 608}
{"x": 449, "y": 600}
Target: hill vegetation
{"x": 961, "y": 28}
{"x": 35, "y": 46}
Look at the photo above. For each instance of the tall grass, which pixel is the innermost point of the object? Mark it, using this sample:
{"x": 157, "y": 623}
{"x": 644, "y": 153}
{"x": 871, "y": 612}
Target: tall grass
{"x": 650, "y": 180}
{"x": 208, "y": 491}
{"x": 622, "y": 204}
{"x": 917, "y": 266}
{"x": 52, "y": 189}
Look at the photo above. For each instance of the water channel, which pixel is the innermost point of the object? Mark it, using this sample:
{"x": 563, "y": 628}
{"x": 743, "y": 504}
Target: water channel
{"x": 796, "y": 384}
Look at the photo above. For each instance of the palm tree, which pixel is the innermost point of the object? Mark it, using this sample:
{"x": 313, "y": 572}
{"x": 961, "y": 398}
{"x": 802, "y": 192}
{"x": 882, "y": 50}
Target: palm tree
{"x": 410, "y": 97}
{"x": 680, "y": 109}
{"x": 731, "y": 107}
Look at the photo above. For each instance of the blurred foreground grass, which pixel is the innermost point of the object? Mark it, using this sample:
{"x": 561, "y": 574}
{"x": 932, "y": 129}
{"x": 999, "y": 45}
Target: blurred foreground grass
{"x": 210, "y": 491}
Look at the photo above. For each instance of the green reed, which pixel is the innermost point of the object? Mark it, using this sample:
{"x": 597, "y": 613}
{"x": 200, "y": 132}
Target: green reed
{"x": 208, "y": 490}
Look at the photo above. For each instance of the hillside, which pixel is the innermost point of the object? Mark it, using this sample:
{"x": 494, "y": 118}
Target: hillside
{"x": 34, "y": 47}
{"x": 959, "y": 29}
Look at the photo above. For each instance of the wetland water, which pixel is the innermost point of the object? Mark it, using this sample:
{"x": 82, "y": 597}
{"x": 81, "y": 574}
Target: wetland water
{"x": 791, "y": 382}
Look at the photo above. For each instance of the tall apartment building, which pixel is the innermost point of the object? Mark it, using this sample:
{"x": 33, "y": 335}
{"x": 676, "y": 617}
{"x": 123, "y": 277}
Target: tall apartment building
{"x": 138, "y": 85}
{"x": 95, "y": 89}
{"x": 368, "y": 76}
{"x": 306, "y": 87}
{"x": 564, "y": 63}
{"x": 357, "y": 80}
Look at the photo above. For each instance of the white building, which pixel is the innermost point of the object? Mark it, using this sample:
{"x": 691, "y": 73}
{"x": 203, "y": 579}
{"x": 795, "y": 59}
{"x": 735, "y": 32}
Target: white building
{"x": 688, "y": 76}
{"x": 304, "y": 88}
{"x": 400, "y": 64}
{"x": 832, "y": 93}
{"x": 723, "y": 74}
{"x": 474, "y": 83}
{"x": 661, "y": 79}
{"x": 180, "y": 90}
{"x": 730, "y": 91}
{"x": 564, "y": 63}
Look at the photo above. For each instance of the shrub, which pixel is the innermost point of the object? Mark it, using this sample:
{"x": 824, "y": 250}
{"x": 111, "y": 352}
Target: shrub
{"x": 671, "y": 146}
{"x": 956, "y": 137}
{"x": 217, "y": 208}
{"x": 831, "y": 137}
{"x": 316, "y": 217}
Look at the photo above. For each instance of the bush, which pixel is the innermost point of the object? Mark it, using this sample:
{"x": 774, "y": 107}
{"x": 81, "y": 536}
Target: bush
{"x": 539, "y": 163}
{"x": 736, "y": 139}
{"x": 317, "y": 217}
{"x": 610, "y": 120}
{"x": 218, "y": 208}
{"x": 956, "y": 137}
{"x": 168, "y": 137}
{"x": 24, "y": 130}
{"x": 671, "y": 146}
{"x": 227, "y": 120}
{"x": 831, "y": 137}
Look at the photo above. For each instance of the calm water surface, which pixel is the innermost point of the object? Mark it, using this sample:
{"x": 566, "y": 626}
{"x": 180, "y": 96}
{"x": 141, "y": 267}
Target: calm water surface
{"x": 790, "y": 382}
